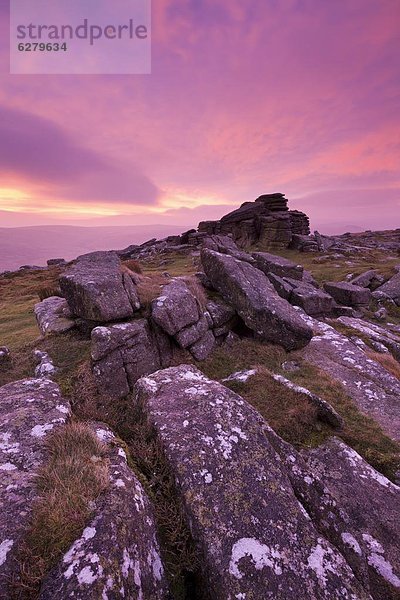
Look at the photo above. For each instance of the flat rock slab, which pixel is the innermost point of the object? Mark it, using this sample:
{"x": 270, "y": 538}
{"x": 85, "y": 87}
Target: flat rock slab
{"x": 124, "y": 352}
{"x": 97, "y": 289}
{"x": 29, "y": 410}
{"x": 348, "y": 294}
{"x": 379, "y": 334}
{"x": 270, "y": 263}
{"x": 375, "y": 391}
{"x": 372, "y": 504}
{"x": 53, "y": 315}
{"x": 118, "y": 554}
{"x": 255, "y": 539}
{"x": 254, "y": 298}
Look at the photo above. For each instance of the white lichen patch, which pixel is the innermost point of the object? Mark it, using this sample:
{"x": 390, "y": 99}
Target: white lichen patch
{"x": 40, "y": 431}
{"x": 323, "y": 561}
{"x": 351, "y": 541}
{"x": 5, "y": 548}
{"x": 261, "y": 555}
{"x": 8, "y": 467}
{"x": 7, "y": 446}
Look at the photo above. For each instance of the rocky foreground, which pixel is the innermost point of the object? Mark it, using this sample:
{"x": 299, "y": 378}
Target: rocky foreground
{"x": 261, "y": 517}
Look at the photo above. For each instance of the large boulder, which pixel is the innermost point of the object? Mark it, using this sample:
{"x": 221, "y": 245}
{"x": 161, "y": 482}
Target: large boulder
{"x": 392, "y": 288}
{"x": 53, "y": 315}
{"x": 123, "y": 352}
{"x": 98, "y": 289}
{"x": 348, "y": 294}
{"x": 176, "y": 308}
{"x": 248, "y": 290}
{"x": 254, "y": 538}
{"x": 118, "y": 554}
{"x": 371, "y": 502}
{"x": 270, "y": 263}
{"x": 178, "y": 312}
{"x": 29, "y": 410}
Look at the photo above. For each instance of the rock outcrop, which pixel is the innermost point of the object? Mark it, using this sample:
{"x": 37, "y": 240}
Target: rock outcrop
{"x": 118, "y": 554}
{"x": 97, "y": 289}
{"x": 29, "y": 410}
{"x": 267, "y": 220}
{"x": 53, "y": 315}
{"x": 254, "y": 537}
{"x": 255, "y": 300}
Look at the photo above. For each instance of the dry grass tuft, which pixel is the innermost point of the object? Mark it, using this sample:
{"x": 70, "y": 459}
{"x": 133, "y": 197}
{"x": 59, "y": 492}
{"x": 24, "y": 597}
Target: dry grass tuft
{"x": 387, "y": 361}
{"x": 48, "y": 291}
{"x": 197, "y": 290}
{"x": 133, "y": 265}
{"x": 146, "y": 458}
{"x": 149, "y": 288}
{"x": 75, "y": 473}
{"x": 289, "y": 413}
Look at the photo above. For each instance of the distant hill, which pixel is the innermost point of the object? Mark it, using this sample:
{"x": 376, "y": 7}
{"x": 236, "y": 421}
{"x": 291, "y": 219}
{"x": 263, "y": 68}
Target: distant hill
{"x": 34, "y": 245}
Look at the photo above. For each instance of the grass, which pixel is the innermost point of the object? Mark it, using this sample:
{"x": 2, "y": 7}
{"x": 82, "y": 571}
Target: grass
{"x": 74, "y": 474}
{"x": 146, "y": 458}
{"x": 336, "y": 269}
{"x": 18, "y": 294}
{"x": 286, "y": 411}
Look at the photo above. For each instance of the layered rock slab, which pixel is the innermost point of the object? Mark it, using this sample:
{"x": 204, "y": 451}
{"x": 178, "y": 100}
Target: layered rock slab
{"x": 118, "y": 554}
{"x": 254, "y": 298}
{"x": 53, "y": 315}
{"x": 374, "y": 390}
{"x": 29, "y": 410}
{"x": 255, "y": 539}
{"x": 97, "y": 289}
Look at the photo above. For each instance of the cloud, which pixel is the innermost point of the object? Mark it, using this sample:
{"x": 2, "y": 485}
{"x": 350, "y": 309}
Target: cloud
{"x": 39, "y": 150}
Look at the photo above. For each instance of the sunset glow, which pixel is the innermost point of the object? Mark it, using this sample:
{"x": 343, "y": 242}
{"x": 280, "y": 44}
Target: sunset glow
{"x": 299, "y": 96}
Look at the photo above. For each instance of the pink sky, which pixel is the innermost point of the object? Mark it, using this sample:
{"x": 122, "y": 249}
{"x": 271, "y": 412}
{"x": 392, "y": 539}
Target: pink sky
{"x": 296, "y": 96}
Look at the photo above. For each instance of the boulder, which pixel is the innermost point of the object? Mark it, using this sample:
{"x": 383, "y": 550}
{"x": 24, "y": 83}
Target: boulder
{"x": 29, "y": 409}
{"x": 190, "y": 335}
{"x": 220, "y": 312}
{"x": 371, "y": 503}
{"x": 122, "y": 353}
{"x": 53, "y": 315}
{"x": 365, "y": 279}
{"x": 348, "y": 294}
{"x": 312, "y": 300}
{"x": 270, "y": 263}
{"x": 204, "y": 346}
{"x": 176, "y": 308}
{"x": 254, "y": 538}
{"x": 45, "y": 367}
{"x": 392, "y": 288}
{"x": 177, "y": 312}
{"x": 248, "y": 290}
{"x": 117, "y": 554}
{"x": 97, "y": 289}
